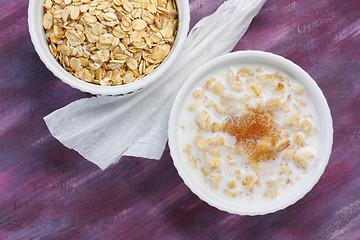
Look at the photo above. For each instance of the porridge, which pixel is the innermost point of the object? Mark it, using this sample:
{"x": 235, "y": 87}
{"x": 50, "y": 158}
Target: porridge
{"x": 249, "y": 132}
{"x": 110, "y": 42}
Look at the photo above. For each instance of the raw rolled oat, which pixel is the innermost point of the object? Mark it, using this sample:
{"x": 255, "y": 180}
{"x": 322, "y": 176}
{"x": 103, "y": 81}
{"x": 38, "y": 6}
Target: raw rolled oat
{"x": 110, "y": 42}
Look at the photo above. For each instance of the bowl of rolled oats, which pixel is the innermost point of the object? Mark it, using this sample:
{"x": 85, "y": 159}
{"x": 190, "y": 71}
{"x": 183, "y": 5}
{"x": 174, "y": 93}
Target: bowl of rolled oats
{"x": 250, "y": 133}
{"x": 108, "y": 47}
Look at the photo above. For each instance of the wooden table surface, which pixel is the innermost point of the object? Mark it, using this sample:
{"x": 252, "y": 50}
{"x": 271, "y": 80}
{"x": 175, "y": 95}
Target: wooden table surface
{"x": 50, "y": 192}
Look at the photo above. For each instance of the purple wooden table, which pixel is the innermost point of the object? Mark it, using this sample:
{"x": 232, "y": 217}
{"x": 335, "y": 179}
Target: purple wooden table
{"x": 50, "y": 192}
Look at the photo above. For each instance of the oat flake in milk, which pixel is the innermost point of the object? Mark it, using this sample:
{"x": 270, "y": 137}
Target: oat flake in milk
{"x": 249, "y": 132}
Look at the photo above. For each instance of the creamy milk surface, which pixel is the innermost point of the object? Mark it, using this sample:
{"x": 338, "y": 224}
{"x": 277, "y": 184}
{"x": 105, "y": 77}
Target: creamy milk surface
{"x": 249, "y": 132}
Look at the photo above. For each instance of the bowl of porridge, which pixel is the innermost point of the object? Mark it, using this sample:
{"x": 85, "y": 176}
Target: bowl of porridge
{"x": 250, "y": 133}
{"x": 108, "y": 47}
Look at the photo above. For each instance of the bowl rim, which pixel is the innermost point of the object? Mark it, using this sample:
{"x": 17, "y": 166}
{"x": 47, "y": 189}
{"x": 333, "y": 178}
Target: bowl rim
{"x": 322, "y": 105}
{"x": 37, "y": 38}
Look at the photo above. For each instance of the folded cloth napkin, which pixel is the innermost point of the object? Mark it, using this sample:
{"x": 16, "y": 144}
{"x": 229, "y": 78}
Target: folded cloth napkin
{"x": 105, "y": 128}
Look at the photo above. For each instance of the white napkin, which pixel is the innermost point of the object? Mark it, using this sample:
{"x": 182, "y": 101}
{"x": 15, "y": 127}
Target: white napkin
{"x": 104, "y": 128}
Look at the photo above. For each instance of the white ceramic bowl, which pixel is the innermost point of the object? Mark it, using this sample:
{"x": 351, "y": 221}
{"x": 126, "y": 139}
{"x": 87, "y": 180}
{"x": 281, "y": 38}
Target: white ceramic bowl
{"x": 321, "y": 107}
{"x": 37, "y": 33}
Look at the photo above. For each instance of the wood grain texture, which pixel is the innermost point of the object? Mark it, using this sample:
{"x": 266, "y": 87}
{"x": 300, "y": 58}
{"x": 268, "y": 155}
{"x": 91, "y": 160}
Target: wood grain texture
{"x": 50, "y": 192}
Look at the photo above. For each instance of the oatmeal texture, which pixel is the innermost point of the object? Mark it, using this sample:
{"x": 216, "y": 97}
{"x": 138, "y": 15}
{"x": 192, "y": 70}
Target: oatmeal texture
{"x": 243, "y": 121}
{"x": 110, "y": 42}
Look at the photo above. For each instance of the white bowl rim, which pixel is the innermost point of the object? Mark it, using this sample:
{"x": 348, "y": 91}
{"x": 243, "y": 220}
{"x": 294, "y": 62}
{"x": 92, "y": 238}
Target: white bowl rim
{"x": 66, "y": 77}
{"x": 322, "y": 104}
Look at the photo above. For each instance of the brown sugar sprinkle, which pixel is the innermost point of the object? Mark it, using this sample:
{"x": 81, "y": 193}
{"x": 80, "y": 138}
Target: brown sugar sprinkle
{"x": 256, "y": 134}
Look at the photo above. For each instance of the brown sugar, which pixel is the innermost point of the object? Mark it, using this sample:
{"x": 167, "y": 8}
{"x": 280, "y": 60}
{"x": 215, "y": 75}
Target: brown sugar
{"x": 256, "y": 134}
